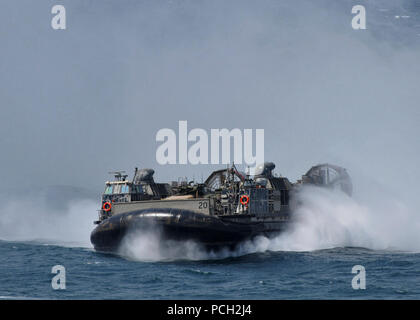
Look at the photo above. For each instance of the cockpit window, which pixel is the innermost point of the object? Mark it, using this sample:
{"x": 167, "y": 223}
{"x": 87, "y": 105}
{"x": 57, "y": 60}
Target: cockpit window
{"x": 124, "y": 189}
{"x": 108, "y": 190}
{"x": 117, "y": 189}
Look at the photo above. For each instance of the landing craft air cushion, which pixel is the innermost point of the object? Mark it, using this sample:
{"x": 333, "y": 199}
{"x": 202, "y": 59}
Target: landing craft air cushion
{"x": 227, "y": 209}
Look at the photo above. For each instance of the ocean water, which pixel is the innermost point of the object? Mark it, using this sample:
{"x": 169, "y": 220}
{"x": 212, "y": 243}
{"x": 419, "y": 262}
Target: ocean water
{"x": 25, "y": 273}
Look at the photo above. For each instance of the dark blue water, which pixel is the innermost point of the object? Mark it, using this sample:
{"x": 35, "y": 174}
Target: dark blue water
{"x": 25, "y": 273}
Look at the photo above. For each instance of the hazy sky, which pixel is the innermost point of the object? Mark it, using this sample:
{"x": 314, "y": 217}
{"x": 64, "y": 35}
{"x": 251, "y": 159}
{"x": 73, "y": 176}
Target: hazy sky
{"x": 80, "y": 102}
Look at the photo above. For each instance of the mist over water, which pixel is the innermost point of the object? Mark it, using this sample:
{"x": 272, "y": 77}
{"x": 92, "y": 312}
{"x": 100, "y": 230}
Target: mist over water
{"x": 321, "y": 90}
{"x": 329, "y": 219}
{"x": 34, "y": 219}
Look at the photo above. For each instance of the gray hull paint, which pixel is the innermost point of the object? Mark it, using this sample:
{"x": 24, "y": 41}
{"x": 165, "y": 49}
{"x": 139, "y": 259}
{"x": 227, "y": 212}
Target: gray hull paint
{"x": 179, "y": 224}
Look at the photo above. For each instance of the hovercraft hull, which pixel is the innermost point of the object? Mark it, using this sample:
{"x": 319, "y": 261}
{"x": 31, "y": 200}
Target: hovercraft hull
{"x": 182, "y": 225}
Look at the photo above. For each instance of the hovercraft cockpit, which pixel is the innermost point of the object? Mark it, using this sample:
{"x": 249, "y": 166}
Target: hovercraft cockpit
{"x": 142, "y": 187}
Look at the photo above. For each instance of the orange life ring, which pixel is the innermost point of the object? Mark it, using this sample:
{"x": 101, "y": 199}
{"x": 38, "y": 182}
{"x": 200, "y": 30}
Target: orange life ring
{"x": 107, "y": 206}
{"x": 244, "y": 199}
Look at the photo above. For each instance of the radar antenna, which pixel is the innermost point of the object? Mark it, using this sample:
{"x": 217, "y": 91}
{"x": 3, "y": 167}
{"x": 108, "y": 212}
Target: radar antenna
{"x": 119, "y": 176}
